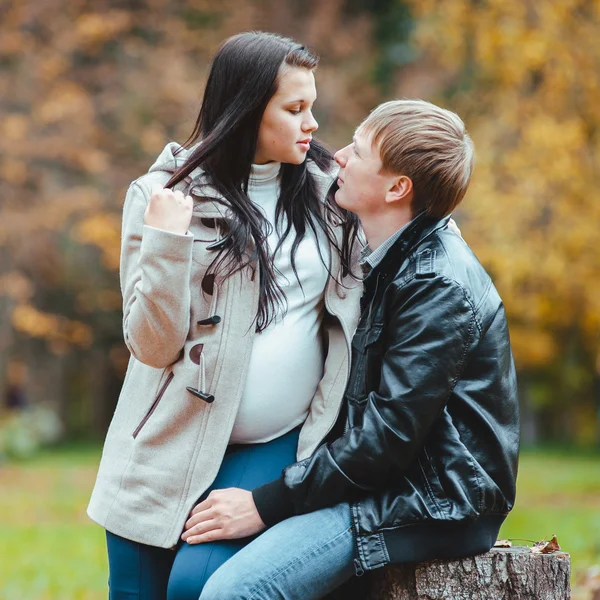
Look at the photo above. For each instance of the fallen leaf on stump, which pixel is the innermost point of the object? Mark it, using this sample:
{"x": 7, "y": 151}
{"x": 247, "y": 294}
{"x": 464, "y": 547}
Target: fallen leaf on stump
{"x": 503, "y": 544}
{"x": 546, "y": 547}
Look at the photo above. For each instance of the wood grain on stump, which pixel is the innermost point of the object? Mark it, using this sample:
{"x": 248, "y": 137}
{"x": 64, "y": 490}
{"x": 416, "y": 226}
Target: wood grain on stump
{"x": 501, "y": 574}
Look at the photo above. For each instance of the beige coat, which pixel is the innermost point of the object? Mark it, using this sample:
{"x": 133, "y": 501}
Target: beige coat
{"x": 165, "y": 445}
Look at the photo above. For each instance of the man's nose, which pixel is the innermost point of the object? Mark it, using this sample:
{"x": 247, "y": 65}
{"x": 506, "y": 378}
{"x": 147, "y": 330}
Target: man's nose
{"x": 340, "y": 157}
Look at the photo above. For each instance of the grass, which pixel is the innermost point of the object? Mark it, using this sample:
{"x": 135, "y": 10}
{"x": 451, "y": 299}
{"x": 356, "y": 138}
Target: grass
{"x": 559, "y": 493}
{"x": 50, "y": 550}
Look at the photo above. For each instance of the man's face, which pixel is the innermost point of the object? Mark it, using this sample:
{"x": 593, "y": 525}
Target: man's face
{"x": 362, "y": 186}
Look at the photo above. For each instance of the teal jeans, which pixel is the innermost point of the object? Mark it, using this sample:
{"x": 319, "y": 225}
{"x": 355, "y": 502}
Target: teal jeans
{"x": 303, "y": 557}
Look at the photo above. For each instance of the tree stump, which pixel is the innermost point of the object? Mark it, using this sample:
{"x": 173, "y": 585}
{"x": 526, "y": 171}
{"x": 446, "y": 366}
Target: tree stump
{"x": 501, "y": 574}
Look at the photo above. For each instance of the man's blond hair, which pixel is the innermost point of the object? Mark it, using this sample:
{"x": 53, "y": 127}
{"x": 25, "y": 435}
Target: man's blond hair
{"x": 428, "y": 144}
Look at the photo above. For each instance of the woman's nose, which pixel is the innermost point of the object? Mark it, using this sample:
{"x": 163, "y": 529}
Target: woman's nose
{"x": 310, "y": 124}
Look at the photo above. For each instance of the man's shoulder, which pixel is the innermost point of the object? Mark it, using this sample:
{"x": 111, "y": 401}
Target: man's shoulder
{"x": 444, "y": 259}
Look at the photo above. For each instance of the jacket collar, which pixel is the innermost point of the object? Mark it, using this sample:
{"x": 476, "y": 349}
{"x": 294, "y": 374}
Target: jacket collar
{"x": 418, "y": 229}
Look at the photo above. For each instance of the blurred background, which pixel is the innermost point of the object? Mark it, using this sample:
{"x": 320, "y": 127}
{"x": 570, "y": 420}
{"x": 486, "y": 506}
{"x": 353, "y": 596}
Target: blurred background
{"x": 90, "y": 92}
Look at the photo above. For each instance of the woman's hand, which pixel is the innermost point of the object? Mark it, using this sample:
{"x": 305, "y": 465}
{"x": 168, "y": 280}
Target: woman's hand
{"x": 225, "y": 515}
{"x": 169, "y": 210}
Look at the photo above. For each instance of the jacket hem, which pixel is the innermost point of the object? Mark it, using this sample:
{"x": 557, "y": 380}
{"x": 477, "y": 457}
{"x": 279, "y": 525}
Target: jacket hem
{"x": 429, "y": 540}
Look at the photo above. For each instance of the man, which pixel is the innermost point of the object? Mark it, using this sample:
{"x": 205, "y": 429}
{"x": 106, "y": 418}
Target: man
{"x": 423, "y": 460}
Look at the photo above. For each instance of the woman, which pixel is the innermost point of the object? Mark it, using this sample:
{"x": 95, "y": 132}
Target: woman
{"x": 239, "y": 305}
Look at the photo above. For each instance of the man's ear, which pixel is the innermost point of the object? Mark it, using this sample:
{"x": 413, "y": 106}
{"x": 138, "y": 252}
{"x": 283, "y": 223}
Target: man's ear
{"x": 401, "y": 190}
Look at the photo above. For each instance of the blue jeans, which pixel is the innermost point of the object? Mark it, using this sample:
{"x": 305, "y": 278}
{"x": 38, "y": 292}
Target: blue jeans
{"x": 141, "y": 572}
{"x": 246, "y": 467}
{"x": 302, "y": 558}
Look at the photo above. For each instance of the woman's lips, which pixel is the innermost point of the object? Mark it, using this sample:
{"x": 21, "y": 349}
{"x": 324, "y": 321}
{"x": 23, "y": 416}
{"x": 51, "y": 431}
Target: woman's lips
{"x": 340, "y": 181}
{"x": 305, "y": 145}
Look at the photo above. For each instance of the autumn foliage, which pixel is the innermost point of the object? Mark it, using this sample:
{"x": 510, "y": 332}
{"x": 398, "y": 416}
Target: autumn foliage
{"x": 91, "y": 91}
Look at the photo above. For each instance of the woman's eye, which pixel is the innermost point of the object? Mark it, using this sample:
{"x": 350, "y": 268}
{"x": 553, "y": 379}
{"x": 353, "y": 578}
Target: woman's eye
{"x": 295, "y": 111}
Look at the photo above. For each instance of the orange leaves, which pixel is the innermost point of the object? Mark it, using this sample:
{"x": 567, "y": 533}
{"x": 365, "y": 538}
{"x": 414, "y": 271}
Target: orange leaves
{"x": 66, "y": 100}
{"x": 16, "y": 286}
{"x": 14, "y": 127}
{"x": 104, "y": 231}
{"x": 544, "y": 547}
{"x": 59, "y": 331}
{"x": 528, "y": 94}
{"x": 541, "y": 547}
{"x": 96, "y": 28}
{"x": 538, "y": 346}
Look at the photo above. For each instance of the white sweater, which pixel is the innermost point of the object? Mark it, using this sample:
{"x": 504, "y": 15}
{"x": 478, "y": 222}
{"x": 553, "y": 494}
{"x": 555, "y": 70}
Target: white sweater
{"x": 286, "y": 364}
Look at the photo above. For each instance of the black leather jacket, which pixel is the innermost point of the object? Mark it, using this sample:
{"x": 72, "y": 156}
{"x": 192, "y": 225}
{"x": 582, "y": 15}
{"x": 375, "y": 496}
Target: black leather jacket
{"x": 427, "y": 442}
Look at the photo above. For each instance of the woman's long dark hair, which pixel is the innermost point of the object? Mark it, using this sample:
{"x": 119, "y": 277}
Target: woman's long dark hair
{"x": 242, "y": 80}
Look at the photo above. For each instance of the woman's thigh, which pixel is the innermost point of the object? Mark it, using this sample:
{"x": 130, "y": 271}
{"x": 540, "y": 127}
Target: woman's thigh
{"x": 302, "y": 558}
{"x": 244, "y": 467}
{"x": 137, "y": 571}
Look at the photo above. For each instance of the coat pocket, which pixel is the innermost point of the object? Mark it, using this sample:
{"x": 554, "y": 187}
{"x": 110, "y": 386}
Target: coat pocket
{"x": 160, "y": 394}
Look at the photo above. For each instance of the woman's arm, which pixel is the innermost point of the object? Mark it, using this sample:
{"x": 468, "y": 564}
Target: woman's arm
{"x": 155, "y": 273}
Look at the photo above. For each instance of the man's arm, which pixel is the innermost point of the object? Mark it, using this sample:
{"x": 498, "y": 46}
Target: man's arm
{"x": 430, "y": 326}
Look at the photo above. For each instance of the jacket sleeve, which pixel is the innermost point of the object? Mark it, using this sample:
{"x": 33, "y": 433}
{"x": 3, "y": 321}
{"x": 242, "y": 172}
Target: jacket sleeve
{"x": 428, "y": 330}
{"x": 155, "y": 283}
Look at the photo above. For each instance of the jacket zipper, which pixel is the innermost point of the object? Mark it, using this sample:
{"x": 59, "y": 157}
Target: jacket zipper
{"x": 154, "y": 404}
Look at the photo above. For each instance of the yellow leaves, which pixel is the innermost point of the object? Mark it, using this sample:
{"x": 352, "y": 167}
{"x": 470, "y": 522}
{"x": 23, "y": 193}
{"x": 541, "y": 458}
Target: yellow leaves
{"x": 67, "y": 100}
{"x": 13, "y": 171}
{"x": 531, "y": 105}
{"x": 52, "y": 67}
{"x": 102, "y": 230}
{"x": 14, "y": 127}
{"x": 153, "y": 139}
{"x": 59, "y": 208}
{"x": 532, "y": 348}
{"x": 92, "y": 161}
{"x": 16, "y": 286}
{"x": 93, "y": 29}
{"x": 57, "y": 330}
{"x": 14, "y": 42}
{"x": 104, "y": 300}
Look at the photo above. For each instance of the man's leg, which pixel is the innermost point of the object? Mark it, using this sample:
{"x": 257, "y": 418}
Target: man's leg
{"x": 303, "y": 558}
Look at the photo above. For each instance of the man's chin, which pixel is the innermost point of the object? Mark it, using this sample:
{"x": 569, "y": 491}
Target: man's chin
{"x": 339, "y": 200}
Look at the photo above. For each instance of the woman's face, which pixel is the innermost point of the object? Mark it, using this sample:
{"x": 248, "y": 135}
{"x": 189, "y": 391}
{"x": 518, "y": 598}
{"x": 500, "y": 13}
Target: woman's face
{"x": 287, "y": 124}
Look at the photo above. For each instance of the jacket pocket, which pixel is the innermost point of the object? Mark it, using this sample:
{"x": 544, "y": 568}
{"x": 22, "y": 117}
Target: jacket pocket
{"x": 160, "y": 394}
{"x": 433, "y": 486}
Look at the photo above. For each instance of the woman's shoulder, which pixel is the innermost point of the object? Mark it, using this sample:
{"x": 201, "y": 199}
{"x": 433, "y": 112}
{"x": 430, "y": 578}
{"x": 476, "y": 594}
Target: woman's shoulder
{"x": 172, "y": 157}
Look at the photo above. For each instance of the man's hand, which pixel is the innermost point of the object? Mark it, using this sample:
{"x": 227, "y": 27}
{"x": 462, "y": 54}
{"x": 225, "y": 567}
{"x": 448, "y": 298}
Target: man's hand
{"x": 168, "y": 210}
{"x": 225, "y": 515}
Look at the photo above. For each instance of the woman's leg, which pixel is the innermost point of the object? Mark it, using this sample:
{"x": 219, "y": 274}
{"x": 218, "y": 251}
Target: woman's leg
{"x": 137, "y": 571}
{"x": 245, "y": 467}
{"x": 302, "y": 558}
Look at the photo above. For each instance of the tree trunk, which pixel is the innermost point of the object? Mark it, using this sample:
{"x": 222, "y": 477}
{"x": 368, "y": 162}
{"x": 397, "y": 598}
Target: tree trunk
{"x": 501, "y": 574}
